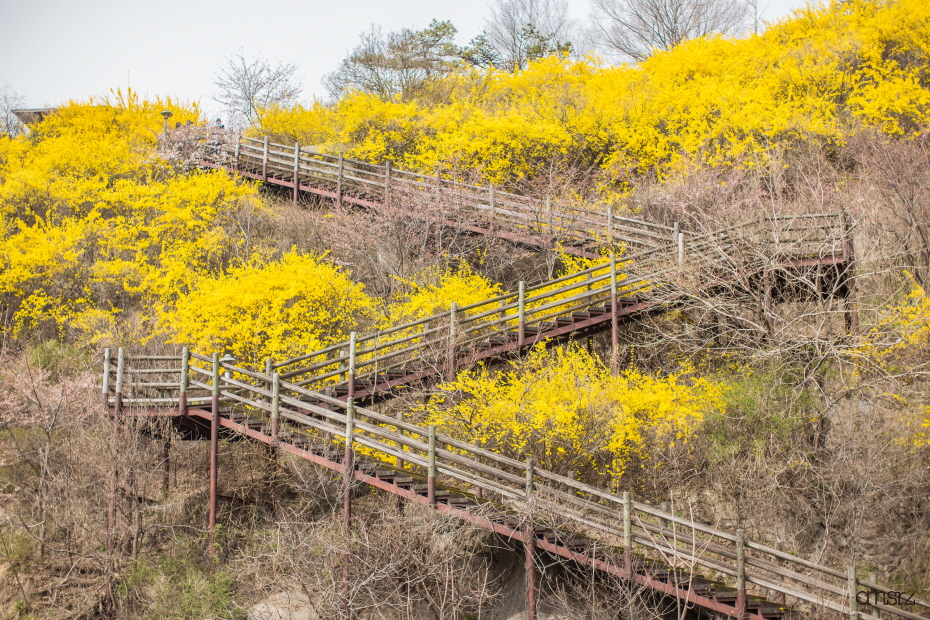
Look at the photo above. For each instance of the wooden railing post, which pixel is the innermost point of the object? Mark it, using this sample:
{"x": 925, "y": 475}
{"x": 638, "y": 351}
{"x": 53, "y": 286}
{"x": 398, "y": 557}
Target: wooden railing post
{"x": 740, "y": 576}
{"x": 549, "y": 225}
{"x": 627, "y": 535}
{"x": 491, "y": 201}
{"x": 275, "y": 407}
{"x": 348, "y": 469}
{"x": 106, "y": 379}
{"x": 849, "y": 267}
{"x": 521, "y": 314}
{"x": 118, "y": 396}
{"x": 214, "y": 447}
{"x": 431, "y": 467}
{"x": 853, "y": 588}
{"x": 269, "y": 369}
{"x": 185, "y": 380}
{"x": 296, "y": 171}
{"x": 530, "y": 473}
{"x": 675, "y": 228}
{"x": 236, "y": 157}
{"x": 768, "y": 295}
{"x": 614, "y": 319}
{"x": 529, "y": 545}
{"x": 387, "y": 183}
{"x": 450, "y": 375}
{"x": 610, "y": 226}
{"x": 265, "y": 160}
{"x": 681, "y": 248}
{"x": 400, "y": 446}
{"x": 339, "y": 182}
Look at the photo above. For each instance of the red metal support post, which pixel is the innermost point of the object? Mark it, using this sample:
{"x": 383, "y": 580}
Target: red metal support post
{"x": 111, "y": 503}
{"x": 214, "y": 448}
{"x": 166, "y": 464}
{"x": 768, "y": 300}
{"x": 740, "y": 576}
{"x": 529, "y": 545}
{"x": 117, "y": 422}
{"x": 627, "y": 535}
{"x": 348, "y": 469}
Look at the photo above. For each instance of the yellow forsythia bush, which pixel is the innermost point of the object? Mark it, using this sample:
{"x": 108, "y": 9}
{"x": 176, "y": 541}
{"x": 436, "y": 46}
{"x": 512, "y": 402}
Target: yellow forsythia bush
{"x": 434, "y": 291}
{"x": 281, "y": 309}
{"x": 565, "y": 409}
{"x": 899, "y": 343}
{"x": 712, "y": 101}
{"x": 94, "y": 225}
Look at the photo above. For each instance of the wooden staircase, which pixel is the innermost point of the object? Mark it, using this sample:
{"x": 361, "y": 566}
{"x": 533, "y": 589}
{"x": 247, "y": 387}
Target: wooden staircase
{"x": 615, "y": 291}
{"x": 474, "y": 209}
{"x": 673, "y": 555}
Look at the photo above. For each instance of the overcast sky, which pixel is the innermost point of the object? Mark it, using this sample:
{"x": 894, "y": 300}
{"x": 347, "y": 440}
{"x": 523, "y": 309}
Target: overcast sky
{"x": 55, "y": 50}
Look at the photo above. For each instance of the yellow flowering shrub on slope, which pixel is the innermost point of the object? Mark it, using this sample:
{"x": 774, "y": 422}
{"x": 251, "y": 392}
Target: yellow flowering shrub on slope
{"x": 280, "y": 309}
{"x": 712, "y": 101}
{"x": 899, "y": 345}
{"x": 563, "y": 408}
{"x": 93, "y": 223}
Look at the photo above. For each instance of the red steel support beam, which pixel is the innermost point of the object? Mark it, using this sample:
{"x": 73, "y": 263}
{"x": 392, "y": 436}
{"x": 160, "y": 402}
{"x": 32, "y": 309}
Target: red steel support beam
{"x": 166, "y": 465}
{"x": 214, "y": 448}
{"x": 114, "y": 472}
{"x": 627, "y": 534}
{"x": 348, "y": 470}
{"x": 482, "y": 521}
{"x": 529, "y": 545}
{"x": 768, "y": 299}
{"x": 740, "y": 577}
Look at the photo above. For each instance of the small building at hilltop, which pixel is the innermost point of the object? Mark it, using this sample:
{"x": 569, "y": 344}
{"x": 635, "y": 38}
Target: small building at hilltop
{"x": 28, "y": 116}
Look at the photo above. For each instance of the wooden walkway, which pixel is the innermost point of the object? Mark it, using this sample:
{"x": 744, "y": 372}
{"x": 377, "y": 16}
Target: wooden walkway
{"x": 603, "y": 297}
{"x": 647, "y": 277}
{"x": 475, "y": 209}
{"x": 309, "y": 406}
{"x": 552, "y": 515}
